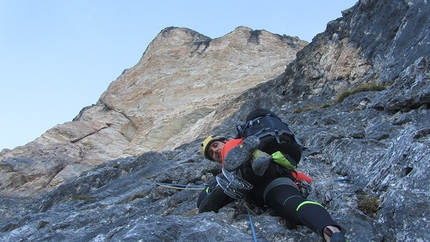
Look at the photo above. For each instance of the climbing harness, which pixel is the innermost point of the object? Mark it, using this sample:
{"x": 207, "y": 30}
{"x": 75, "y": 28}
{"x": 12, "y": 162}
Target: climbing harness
{"x": 232, "y": 184}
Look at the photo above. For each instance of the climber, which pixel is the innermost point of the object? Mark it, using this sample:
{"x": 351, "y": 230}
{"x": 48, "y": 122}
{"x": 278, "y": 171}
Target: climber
{"x": 272, "y": 185}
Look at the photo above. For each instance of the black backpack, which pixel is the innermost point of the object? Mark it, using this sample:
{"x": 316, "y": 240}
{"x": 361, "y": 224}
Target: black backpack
{"x": 274, "y": 134}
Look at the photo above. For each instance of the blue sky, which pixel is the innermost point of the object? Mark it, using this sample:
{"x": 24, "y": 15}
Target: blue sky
{"x": 58, "y": 56}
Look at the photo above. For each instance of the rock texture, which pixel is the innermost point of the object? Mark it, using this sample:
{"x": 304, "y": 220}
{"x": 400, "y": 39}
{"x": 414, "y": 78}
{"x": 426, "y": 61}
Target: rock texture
{"x": 166, "y": 99}
{"x": 182, "y": 78}
{"x": 368, "y": 152}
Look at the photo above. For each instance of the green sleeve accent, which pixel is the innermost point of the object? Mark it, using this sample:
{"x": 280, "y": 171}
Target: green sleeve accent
{"x": 279, "y": 158}
{"x": 307, "y": 202}
{"x": 299, "y": 196}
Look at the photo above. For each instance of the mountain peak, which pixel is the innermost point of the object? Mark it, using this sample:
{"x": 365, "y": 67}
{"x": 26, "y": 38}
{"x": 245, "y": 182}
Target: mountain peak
{"x": 168, "y": 97}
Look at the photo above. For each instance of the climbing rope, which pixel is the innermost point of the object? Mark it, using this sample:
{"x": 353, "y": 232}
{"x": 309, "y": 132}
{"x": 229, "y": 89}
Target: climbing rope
{"x": 246, "y": 205}
{"x": 249, "y": 210}
{"x": 345, "y": 180}
{"x": 190, "y": 187}
{"x": 252, "y": 226}
{"x": 180, "y": 186}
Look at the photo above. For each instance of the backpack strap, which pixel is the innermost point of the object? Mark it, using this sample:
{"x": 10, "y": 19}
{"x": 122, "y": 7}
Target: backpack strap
{"x": 275, "y": 133}
{"x": 242, "y": 128}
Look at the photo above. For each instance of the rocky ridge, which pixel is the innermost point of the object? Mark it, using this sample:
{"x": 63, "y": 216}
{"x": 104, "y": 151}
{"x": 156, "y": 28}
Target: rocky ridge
{"x": 368, "y": 152}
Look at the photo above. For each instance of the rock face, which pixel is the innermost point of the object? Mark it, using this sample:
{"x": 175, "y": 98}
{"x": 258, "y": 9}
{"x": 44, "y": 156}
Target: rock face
{"x": 166, "y": 99}
{"x": 184, "y": 76}
{"x": 368, "y": 151}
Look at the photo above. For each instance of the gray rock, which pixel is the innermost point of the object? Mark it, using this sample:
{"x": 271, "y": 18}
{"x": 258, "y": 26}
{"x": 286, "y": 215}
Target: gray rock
{"x": 368, "y": 154}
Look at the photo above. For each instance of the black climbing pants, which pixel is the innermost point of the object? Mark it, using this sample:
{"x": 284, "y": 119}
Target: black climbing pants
{"x": 288, "y": 203}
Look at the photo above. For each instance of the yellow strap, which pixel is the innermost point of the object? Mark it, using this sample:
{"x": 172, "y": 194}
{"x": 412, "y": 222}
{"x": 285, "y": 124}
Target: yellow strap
{"x": 248, "y": 208}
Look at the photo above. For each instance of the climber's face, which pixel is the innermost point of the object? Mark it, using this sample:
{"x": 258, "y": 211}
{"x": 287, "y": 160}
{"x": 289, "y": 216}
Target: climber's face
{"x": 214, "y": 150}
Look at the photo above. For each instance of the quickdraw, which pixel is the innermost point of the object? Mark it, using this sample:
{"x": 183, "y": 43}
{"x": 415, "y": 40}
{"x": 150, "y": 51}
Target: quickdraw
{"x": 232, "y": 184}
